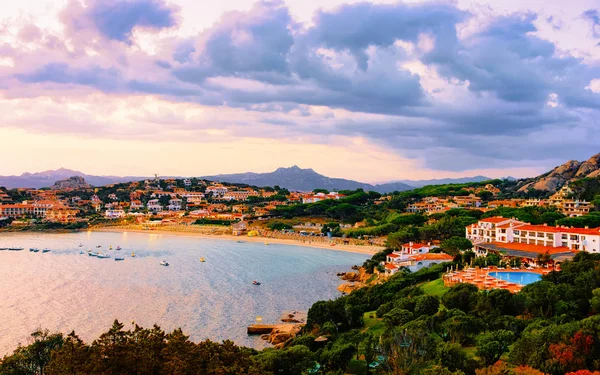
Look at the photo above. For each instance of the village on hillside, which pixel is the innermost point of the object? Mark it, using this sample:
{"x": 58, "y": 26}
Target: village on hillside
{"x": 344, "y": 217}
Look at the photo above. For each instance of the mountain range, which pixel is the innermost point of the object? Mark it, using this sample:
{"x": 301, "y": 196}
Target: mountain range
{"x": 292, "y": 178}
{"x": 296, "y": 178}
{"x": 48, "y": 178}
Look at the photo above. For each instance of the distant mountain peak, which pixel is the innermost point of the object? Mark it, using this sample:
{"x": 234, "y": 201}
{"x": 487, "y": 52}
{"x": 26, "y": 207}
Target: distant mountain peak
{"x": 302, "y": 179}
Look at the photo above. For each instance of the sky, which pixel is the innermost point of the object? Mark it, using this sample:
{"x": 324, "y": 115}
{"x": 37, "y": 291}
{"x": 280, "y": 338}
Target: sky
{"x": 372, "y": 91}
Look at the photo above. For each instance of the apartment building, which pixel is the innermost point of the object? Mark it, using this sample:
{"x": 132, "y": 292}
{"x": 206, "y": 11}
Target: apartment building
{"x": 500, "y": 230}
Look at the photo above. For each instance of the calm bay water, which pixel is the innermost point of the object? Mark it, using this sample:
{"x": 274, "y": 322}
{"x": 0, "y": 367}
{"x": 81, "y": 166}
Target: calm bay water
{"x": 64, "y": 290}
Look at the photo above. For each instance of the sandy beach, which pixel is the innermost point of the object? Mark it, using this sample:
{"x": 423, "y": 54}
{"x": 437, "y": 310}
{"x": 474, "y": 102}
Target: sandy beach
{"x": 307, "y": 243}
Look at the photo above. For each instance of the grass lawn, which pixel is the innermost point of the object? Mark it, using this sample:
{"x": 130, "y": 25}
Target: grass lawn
{"x": 435, "y": 287}
{"x": 373, "y": 325}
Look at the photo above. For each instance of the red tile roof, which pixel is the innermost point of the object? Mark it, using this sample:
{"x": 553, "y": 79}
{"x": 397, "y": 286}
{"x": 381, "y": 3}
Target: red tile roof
{"x": 390, "y": 266}
{"x": 541, "y": 228}
{"x": 432, "y": 256}
{"x": 540, "y": 249}
{"x": 393, "y": 255}
{"x": 414, "y": 245}
{"x": 495, "y": 219}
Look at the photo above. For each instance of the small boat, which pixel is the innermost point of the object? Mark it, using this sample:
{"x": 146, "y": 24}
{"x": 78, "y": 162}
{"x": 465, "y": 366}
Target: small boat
{"x": 93, "y": 254}
{"x": 80, "y": 245}
{"x": 164, "y": 263}
{"x": 98, "y": 246}
{"x": 255, "y": 282}
{"x": 15, "y": 248}
{"x": 110, "y": 247}
{"x": 33, "y": 249}
{"x": 118, "y": 247}
{"x": 3, "y": 248}
{"x": 266, "y": 243}
{"x": 240, "y": 242}
{"x": 118, "y": 259}
{"x": 46, "y": 250}
{"x": 133, "y": 255}
{"x": 103, "y": 256}
{"x": 202, "y": 260}
{"x": 81, "y": 252}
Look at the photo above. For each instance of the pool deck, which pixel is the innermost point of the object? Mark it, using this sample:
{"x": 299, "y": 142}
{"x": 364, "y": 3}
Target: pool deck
{"x": 481, "y": 278}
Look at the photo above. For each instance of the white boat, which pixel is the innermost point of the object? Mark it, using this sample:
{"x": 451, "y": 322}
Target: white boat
{"x": 164, "y": 263}
{"x": 103, "y": 256}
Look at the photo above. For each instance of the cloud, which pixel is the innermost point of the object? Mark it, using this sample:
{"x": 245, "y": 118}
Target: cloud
{"x": 401, "y": 76}
{"x": 593, "y": 17}
{"x": 116, "y": 19}
{"x": 104, "y": 79}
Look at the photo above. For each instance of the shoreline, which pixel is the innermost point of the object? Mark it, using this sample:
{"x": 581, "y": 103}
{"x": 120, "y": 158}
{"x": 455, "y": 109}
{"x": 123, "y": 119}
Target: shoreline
{"x": 368, "y": 250}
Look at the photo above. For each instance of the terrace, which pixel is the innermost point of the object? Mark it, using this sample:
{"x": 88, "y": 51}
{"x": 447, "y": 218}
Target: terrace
{"x": 481, "y": 277}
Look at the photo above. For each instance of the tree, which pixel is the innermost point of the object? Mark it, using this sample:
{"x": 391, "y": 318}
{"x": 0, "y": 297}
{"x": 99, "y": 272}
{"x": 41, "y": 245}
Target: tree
{"x": 485, "y": 195}
{"x": 456, "y": 244}
{"x": 462, "y": 296}
{"x": 397, "y": 317}
{"x": 294, "y": 360}
{"x": 451, "y": 355}
{"x": 491, "y": 346}
{"x": 427, "y": 305}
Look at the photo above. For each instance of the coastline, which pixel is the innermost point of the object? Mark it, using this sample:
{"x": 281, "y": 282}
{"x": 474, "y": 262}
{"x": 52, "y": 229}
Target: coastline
{"x": 369, "y": 250}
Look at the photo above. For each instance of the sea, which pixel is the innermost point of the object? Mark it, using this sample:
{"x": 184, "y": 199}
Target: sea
{"x": 64, "y": 290}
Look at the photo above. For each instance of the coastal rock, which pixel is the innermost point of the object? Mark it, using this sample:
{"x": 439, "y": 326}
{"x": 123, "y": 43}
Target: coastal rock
{"x": 283, "y": 333}
{"x": 350, "y": 276}
{"x": 350, "y": 287}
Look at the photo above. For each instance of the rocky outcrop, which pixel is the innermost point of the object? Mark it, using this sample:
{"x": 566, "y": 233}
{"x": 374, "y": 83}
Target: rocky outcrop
{"x": 275, "y": 334}
{"x": 588, "y": 167}
{"x": 559, "y": 176}
{"x": 356, "y": 280}
{"x": 75, "y": 182}
{"x": 348, "y": 288}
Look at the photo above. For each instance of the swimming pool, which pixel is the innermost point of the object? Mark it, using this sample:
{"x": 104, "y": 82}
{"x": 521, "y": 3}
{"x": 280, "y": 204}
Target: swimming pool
{"x": 522, "y": 278}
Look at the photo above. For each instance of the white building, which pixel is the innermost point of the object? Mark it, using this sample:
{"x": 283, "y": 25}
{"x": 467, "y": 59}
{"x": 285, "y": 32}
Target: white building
{"x": 154, "y": 205}
{"x": 114, "y": 213}
{"x": 175, "y": 204}
{"x": 510, "y": 231}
